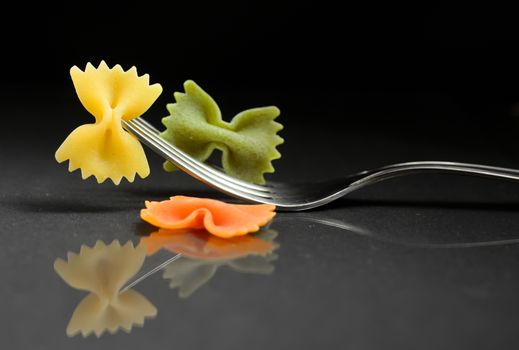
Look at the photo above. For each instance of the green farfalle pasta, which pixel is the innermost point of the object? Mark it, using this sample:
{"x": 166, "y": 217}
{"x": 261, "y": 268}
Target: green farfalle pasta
{"x": 248, "y": 143}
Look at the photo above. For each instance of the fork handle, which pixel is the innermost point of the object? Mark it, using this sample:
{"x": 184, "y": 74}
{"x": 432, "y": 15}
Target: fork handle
{"x": 372, "y": 176}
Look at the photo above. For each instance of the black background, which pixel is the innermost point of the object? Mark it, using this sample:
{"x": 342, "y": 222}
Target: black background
{"x": 305, "y": 44}
{"x": 433, "y": 75}
{"x": 303, "y": 48}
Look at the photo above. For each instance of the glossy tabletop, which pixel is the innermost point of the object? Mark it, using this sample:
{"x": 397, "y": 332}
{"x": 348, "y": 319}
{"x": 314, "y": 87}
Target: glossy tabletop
{"x": 420, "y": 262}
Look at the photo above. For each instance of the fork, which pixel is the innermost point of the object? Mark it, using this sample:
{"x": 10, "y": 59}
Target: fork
{"x": 293, "y": 196}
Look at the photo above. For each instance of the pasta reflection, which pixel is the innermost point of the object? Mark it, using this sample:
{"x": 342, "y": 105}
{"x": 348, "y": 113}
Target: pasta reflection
{"x": 203, "y": 254}
{"x": 102, "y": 270}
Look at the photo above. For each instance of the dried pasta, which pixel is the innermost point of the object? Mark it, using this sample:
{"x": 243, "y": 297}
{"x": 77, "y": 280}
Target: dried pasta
{"x": 219, "y": 218}
{"x": 248, "y": 143}
{"x": 104, "y": 149}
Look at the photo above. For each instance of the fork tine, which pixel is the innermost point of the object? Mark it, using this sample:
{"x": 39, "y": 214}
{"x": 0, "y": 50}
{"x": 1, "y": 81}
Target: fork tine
{"x": 165, "y": 149}
{"x": 191, "y": 166}
{"x": 200, "y": 167}
{"x": 142, "y": 122}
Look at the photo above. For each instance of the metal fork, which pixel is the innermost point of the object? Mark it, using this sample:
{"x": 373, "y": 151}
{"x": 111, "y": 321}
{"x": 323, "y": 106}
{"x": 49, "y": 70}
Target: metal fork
{"x": 293, "y": 196}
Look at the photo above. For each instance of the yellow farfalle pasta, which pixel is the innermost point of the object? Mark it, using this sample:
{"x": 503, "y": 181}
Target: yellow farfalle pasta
{"x": 104, "y": 149}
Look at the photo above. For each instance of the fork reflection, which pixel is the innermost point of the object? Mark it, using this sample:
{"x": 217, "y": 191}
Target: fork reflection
{"x": 359, "y": 230}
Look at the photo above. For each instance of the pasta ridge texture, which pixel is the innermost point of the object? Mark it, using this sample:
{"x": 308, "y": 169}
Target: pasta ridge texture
{"x": 248, "y": 143}
{"x": 104, "y": 149}
{"x": 219, "y": 218}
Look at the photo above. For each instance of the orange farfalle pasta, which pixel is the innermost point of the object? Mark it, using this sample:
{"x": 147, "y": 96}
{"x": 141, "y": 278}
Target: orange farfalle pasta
{"x": 104, "y": 149}
{"x": 221, "y": 219}
{"x": 200, "y": 244}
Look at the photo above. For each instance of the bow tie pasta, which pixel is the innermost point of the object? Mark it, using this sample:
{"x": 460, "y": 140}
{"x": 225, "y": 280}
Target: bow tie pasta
{"x": 248, "y": 143}
{"x": 219, "y": 218}
{"x": 104, "y": 149}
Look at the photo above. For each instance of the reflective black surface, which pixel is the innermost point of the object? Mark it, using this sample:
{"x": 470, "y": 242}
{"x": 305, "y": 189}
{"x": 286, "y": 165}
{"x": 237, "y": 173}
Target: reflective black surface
{"x": 424, "y": 262}
{"x": 428, "y": 262}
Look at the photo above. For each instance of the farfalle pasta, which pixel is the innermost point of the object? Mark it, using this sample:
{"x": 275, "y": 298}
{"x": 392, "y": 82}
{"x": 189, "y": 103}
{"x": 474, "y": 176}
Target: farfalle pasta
{"x": 219, "y": 218}
{"x": 104, "y": 149}
{"x": 248, "y": 143}
{"x": 103, "y": 270}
